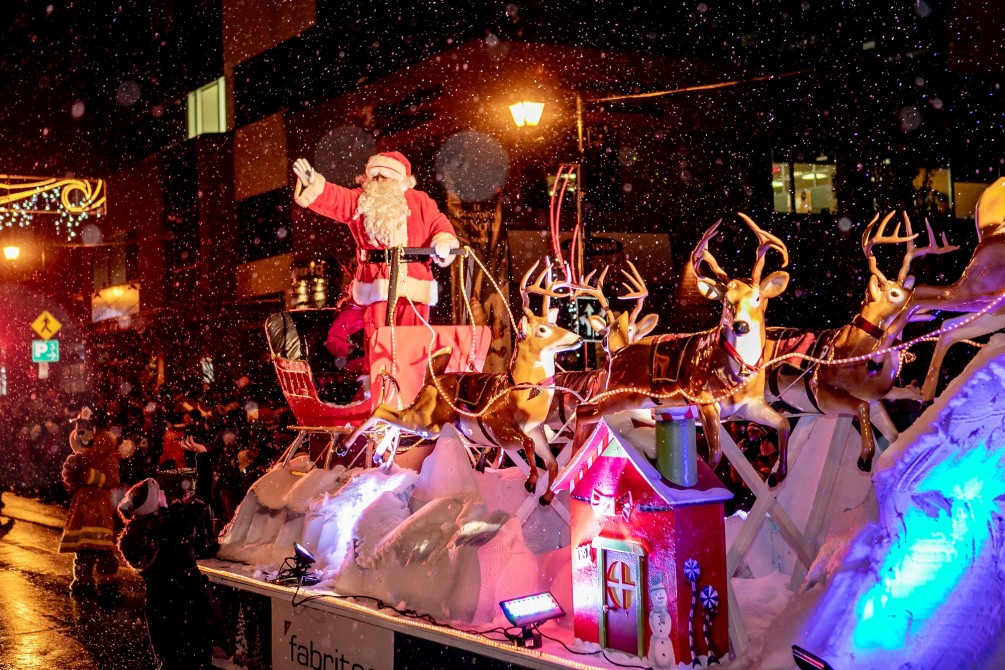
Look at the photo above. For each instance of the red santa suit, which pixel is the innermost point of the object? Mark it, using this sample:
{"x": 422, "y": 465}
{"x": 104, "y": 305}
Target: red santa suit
{"x": 426, "y": 226}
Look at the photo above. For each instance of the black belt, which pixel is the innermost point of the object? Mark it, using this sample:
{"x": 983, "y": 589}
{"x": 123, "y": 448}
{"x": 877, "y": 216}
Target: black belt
{"x": 380, "y": 256}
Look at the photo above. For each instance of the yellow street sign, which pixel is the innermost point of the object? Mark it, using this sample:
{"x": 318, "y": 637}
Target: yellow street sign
{"x": 46, "y": 325}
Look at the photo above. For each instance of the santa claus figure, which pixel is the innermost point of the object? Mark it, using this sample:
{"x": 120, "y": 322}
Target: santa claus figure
{"x": 385, "y": 211}
{"x": 91, "y": 473}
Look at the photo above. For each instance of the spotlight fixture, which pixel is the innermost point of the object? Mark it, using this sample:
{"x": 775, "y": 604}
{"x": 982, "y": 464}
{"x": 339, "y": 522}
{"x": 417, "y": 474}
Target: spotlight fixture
{"x": 296, "y": 570}
{"x": 528, "y": 613}
{"x": 807, "y": 661}
{"x": 301, "y": 555}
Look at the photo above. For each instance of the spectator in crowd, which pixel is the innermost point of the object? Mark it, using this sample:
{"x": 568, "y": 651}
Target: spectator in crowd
{"x": 157, "y": 541}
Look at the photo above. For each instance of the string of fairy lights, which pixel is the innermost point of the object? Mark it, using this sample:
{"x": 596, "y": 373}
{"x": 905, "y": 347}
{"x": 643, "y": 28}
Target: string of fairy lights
{"x": 728, "y": 391}
{"x": 69, "y": 202}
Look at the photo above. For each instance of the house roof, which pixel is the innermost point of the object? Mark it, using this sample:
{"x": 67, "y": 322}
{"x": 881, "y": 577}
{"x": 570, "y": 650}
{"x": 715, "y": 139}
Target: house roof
{"x": 616, "y": 437}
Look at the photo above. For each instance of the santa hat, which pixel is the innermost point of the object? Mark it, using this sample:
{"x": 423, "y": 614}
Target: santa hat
{"x": 391, "y": 164}
{"x": 142, "y": 499}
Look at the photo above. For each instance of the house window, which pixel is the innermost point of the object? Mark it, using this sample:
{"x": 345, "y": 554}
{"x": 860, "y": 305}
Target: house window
{"x": 207, "y": 109}
{"x": 804, "y": 188}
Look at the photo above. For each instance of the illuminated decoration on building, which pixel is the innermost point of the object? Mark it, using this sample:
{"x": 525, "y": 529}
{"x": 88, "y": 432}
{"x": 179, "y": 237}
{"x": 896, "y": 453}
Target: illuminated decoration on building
{"x": 70, "y": 202}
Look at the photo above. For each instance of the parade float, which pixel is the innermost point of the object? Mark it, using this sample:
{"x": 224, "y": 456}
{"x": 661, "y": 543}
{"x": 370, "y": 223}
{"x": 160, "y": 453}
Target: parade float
{"x": 398, "y": 536}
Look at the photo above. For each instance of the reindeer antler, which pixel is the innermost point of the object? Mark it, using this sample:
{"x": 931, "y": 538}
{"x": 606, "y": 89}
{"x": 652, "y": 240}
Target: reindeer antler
{"x": 702, "y": 254}
{"x": 549, "y": 291}
{"x": 637, "y": 291}
{"x": 931, "y": 248}
{"x": 596, "y": 292}
{"x": 766, "y": 242}
{"x": 869, "y": 240}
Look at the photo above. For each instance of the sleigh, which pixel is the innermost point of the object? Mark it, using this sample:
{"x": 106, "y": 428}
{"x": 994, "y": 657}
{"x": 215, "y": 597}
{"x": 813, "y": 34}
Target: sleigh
{"x": 397, "y": 363}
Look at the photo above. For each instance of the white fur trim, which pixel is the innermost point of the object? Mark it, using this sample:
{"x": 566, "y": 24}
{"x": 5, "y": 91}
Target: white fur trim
{"x": 386, "y": 166}
{"x": 419, "y": 290}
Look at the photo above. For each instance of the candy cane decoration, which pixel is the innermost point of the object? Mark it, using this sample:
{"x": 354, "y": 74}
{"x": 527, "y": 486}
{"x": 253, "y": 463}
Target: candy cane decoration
{"x": 692, "y": 571}
{"x": 709, "y": 601}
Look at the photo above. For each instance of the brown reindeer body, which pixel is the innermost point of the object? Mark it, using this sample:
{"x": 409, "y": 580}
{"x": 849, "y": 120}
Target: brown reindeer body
{"x": 982, "y": 282}
{"x": 799, "y": 386}
{"x": 616, "y": 331}
{"x": 719, "y": 371}
{"x": 504, "y": 410}
{"x": 571, "y": 388}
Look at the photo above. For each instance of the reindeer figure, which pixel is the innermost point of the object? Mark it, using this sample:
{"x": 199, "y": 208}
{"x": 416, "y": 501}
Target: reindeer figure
{"x": 981, "y": 283}
{"x": 616, "y": 331}
{"x": 504, "y": 410}
{"x": 848, "y": 389}
{"x": 719, "y": 371}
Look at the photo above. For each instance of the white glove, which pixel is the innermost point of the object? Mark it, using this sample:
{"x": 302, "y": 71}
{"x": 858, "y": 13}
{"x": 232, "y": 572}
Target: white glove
{"x": 442, "y": 249}
{"x": 303, "y": 170}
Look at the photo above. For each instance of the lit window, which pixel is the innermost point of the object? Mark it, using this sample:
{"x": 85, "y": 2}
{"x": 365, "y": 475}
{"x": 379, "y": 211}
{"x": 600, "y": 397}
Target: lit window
{"x": 804, "y": 188}
{"x": 933, "y": 194}
{"x": 965, "y": 197}
{"x": 207, "y": 109}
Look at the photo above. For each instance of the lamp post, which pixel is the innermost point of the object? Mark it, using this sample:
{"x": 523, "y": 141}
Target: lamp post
{"x": 528, "y": 113}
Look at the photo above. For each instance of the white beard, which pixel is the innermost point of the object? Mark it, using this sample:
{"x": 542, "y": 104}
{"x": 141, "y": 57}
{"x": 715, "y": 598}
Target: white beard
{"x": 385, "y": 214}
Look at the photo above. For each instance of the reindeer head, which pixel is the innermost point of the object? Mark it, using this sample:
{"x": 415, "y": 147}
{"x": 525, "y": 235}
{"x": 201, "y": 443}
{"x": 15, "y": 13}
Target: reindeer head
{"x": 886, "y": 300}
{"x": 540, "y": 336}
{"x": 619, "y": 330}
{"x": 743, "y": 301}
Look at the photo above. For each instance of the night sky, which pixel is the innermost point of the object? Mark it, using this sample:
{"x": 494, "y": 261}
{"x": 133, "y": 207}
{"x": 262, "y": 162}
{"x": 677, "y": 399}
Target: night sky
{"x": 91, "y": 86}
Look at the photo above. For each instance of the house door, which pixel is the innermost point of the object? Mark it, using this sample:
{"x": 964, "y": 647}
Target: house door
{"x": 621, "y": 601}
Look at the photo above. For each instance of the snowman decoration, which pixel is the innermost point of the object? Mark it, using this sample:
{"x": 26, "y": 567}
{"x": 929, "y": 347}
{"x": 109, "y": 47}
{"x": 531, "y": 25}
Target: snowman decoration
{"x": 661, "y": 653}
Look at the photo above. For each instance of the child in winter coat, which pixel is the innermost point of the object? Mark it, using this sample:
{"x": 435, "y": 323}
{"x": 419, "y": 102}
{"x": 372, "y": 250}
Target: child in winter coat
{"x": 157, "y": 541}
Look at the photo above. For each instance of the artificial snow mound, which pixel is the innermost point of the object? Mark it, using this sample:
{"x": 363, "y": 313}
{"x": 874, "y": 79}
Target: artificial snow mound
{"x": 442, "y": 541}
{"x": 922, "y": 586}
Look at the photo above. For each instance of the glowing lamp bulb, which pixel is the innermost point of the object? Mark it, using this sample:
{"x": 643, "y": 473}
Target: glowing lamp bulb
{"x": 526, "y": 113}
{"x": 11, "y": 253}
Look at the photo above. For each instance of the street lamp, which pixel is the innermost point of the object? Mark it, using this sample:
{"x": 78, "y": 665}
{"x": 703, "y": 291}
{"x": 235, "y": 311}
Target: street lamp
{"x": 526, "y": 113}
{"x": 11, "y": 252}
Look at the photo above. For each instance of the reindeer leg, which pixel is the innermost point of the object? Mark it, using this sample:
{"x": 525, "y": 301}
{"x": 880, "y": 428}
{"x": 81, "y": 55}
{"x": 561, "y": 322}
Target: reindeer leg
{"x": 587, "y": 414}
{"x": 868, "y": 441}
{"x": 543, "y": 449}
{"x": 931, "y": 384}
{"x": 528, "y": 452}
{"x": 710, "y": 421}
{"x": 362, "y": 428}
{"x": 838, "y": 401}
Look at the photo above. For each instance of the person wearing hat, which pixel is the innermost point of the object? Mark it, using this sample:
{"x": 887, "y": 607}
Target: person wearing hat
{"x": 157, "y": 541}
{"x": 385, "y": 211}
{"x": 90, "y": 474}
{"x": 759, "y": 450}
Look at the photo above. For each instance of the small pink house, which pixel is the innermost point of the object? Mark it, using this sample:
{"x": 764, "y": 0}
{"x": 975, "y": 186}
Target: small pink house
{"x": 649, "y": 557}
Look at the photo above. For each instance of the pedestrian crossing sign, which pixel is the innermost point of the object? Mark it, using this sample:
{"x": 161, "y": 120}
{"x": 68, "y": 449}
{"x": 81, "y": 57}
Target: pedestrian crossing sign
{"x": 46, "y": 325}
